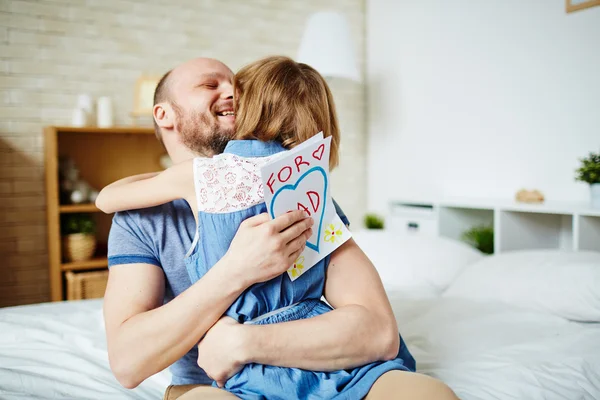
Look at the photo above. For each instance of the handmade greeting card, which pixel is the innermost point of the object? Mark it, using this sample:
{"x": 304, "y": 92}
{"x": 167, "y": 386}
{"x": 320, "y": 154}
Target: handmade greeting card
{"x": 299, "y": 180}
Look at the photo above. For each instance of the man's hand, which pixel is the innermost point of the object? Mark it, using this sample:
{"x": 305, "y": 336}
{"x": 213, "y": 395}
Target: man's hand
{"x": 220, "y": 352}
{"x": 263, "y": 248}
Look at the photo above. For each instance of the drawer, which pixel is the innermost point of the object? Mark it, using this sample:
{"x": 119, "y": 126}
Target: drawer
{"x": 414, "y": 219}
{"x": 416, "y": 225}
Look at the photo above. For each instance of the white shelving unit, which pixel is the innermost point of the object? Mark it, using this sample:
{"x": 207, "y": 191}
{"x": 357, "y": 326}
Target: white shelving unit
{"x": 517, "y": 226}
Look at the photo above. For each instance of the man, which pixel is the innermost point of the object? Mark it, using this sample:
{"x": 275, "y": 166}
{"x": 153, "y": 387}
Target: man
{"x": 154, "y": 315}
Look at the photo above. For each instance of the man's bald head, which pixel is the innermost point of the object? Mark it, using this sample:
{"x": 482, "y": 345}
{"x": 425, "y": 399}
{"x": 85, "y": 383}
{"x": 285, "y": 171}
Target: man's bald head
{"x": 197, "y": 92}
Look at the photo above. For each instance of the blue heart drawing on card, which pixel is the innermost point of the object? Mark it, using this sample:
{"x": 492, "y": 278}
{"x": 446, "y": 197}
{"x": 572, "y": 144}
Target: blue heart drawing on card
{"x": 309, "y": 196}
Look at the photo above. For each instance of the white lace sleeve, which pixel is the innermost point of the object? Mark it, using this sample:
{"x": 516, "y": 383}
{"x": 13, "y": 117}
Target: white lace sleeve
{"x": 227, "y": 182}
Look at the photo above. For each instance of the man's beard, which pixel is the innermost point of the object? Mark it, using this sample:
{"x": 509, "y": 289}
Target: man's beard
{"x": 200, "y": 133}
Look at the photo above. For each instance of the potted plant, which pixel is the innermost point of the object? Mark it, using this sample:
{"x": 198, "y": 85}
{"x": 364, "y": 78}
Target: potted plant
{"x": 373, "y": 221}
{"x": 590, "y": 172}
{"x": 481, "y": 237}
{"x": 78, "y": 237}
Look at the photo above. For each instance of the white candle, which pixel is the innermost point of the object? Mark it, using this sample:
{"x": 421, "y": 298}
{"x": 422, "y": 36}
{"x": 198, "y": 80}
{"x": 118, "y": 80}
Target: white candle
{"x": 104, "y": 112}
{"x": 79, "y": 117}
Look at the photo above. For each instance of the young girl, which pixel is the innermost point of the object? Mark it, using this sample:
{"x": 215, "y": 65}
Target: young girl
{"x": 279, "y": 104}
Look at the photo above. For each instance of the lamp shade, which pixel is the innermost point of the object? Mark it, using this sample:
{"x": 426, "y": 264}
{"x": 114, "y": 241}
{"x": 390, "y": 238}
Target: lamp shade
{"x": 327, "y": 46}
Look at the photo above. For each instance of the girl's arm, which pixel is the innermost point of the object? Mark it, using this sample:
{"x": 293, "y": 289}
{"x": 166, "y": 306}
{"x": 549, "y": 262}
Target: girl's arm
{"x": 149, "y": 190}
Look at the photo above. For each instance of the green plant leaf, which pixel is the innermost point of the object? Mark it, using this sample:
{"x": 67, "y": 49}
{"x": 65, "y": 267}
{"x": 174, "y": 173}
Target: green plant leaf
{"x": 77, "y": 223}
{"x": 590, "y": 169}
{"x": 374, "y": 221}
{"x": 481, "y": 237}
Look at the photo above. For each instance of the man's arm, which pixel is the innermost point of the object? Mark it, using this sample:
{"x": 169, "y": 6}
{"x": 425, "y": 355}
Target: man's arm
{"x": 361, "y": 329}
{"x": 144, "y": 336}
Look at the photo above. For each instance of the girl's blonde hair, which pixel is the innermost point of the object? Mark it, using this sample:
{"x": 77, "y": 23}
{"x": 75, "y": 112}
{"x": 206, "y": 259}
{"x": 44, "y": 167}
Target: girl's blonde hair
{"x": 278, "y": 99}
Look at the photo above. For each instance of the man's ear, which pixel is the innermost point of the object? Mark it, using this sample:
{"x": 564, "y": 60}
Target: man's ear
{"x": 164, "y": 115}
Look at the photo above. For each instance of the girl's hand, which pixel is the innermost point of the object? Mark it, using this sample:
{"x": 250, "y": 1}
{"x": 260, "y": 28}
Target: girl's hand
{"x": 263, "y": 248}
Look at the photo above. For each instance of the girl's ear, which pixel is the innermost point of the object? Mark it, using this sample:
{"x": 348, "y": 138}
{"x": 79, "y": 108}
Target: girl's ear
{"x": 164, "y": 115}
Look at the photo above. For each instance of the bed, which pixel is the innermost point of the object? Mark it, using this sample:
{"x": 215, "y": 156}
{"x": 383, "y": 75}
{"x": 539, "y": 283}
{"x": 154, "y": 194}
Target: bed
{"x": 513, "y": 326}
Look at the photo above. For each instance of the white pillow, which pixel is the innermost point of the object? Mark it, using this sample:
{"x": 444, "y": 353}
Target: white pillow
{"x": 415, "y": 264}
{"x": 561, "y": 283}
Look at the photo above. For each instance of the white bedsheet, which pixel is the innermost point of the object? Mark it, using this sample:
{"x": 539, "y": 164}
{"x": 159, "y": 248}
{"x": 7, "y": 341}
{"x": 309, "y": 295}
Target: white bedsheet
{"x": 58, "y": 351}
{"x": 493, "y": 351}
{"x": 483, "y": 351}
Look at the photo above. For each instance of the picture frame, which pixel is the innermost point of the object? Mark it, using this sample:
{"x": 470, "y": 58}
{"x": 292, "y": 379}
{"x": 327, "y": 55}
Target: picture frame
{"x": 576, "y": 5}
{"x": 143, "y": 98}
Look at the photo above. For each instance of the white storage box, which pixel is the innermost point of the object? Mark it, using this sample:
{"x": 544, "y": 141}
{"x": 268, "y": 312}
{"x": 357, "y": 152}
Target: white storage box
{"x": 414, "y": 218}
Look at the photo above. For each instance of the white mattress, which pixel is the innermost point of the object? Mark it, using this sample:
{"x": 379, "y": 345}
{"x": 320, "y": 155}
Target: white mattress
{"x": 483, "y": 351}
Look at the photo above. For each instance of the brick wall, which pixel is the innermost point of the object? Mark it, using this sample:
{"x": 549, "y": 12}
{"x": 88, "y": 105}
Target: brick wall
{"x": 53, "y": 50}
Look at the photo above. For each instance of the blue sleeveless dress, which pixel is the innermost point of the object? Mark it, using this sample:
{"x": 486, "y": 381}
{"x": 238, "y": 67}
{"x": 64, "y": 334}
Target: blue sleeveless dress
{"x": 274, "y": 301}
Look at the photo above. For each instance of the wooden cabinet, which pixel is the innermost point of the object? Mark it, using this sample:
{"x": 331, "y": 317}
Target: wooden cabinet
{"x": 102, "y": 155}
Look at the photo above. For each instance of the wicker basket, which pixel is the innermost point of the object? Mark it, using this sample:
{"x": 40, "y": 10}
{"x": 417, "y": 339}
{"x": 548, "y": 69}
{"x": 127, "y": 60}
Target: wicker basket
{"x": 86, "y": 285}
{"x": 78, "y": 247}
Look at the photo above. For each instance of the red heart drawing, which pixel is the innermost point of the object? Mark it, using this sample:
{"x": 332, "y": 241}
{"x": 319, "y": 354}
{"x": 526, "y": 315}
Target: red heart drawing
{"x": 318, "y": 153}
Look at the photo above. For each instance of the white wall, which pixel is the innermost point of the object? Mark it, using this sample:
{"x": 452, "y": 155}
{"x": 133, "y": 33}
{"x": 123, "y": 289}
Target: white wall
{"x": 480, "y": 98}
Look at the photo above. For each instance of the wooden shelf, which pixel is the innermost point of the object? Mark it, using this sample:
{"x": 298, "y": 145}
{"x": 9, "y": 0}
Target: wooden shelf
{"x": 122, "y": 130}
{"x": 85, "y": 265}
{"x": 102, "y": 156}
{"x": 78, "y": 208}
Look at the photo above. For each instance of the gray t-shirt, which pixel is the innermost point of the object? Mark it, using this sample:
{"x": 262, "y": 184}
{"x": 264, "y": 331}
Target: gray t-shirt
{"x": 162, "y": 236}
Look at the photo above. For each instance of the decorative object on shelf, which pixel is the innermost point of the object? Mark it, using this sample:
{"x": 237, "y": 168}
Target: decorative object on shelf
{"x": 589, "y": 172}
{"x": 79, "y": 118}
{"x": 576, "y": 5}
{"x": 481, "y": 237}
{"x": 104, "y": 112}
{"x": 78, "y": 237}
{"x": 143, "y": 98}
{"x": 83, "y": 112}
{"x": 374, "y": 221}
{"x": 529, "y": 196}
{"x": 73, "y": 189}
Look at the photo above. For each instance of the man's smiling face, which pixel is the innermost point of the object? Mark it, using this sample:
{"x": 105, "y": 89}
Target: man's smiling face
{"x": 202, "y": 98}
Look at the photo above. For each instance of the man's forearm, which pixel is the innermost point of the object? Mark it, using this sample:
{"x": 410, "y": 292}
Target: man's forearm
{"x": 151, "y": 341}
{"x": 344, "y": 338}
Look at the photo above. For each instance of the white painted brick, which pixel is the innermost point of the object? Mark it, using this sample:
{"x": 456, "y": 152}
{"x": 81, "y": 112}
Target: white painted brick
{"x": 12, "y": 52}
{"x": 24, "y": 173}
{"x": 26, "y": 245}
{"x": 6, "y": 159}
{"x": 7, "y": 246}
{"x": 29, "y": 97}
{"x": 19, "y": 37}
{"x": 20, "y": 143}
{"x": 3, "y": 34}
{"x": 62, "y": 115}
{"x": 5, "y": 187}
{"x": 19, "y": 128}
{"x": 33, "y": 67}
{"x": 20, "y": 112}
{"x": 36, "y": 8}
{"x": 29, "y": 188}
{"x": 20, "y": 21}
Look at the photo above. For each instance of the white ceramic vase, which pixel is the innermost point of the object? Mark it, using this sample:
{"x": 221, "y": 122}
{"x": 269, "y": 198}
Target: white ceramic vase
{"x": 595, "y": 195}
